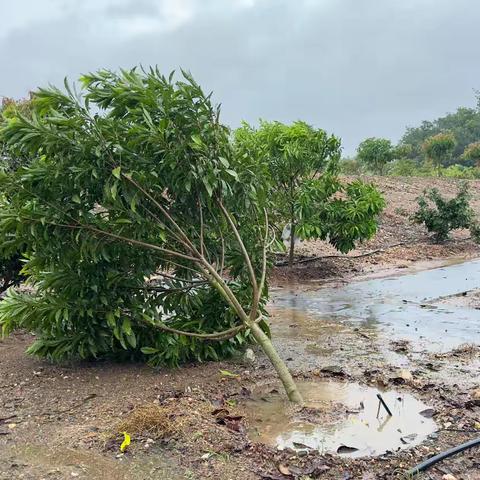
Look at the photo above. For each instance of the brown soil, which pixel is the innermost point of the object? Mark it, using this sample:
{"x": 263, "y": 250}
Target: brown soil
{"x": 66, "y": 421}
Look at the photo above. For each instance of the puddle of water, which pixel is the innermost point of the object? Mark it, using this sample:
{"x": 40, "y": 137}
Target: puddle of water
{"x": 328, "y": 340}
{"x": 397, "y": 307}
{"x": 346, "y": 414}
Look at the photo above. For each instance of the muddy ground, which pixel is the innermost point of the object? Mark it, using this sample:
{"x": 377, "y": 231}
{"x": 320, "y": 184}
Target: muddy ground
{"x": 65, "y": 421}
{"x": 469, "y": 299}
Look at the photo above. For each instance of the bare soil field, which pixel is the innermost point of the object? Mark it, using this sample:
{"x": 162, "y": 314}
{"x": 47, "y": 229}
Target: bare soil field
{"x": 66, "y": 421}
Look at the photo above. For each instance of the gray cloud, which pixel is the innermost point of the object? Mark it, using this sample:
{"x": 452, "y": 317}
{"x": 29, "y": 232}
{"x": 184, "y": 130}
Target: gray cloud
{"x": 357, "y": 68}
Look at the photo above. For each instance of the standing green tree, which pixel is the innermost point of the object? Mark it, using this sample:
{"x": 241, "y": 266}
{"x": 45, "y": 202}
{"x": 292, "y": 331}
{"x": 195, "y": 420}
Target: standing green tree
{"x": 403, "y": 151}
{"x": 302, "y": 164}
{"x": 472, "y": 153}
{"x": 375, "y": 154}
{"x": 439, "y": 148}
{"x": 132, "y": 178}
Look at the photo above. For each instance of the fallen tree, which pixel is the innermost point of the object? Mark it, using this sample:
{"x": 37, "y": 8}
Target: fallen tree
{"x": 132, "y": 178}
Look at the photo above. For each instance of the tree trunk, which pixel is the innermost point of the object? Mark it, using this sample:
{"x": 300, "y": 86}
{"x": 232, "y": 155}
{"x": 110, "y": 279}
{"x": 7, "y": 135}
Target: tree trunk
{"x": 292, "y": 245}
{"x": 279, "y": 365}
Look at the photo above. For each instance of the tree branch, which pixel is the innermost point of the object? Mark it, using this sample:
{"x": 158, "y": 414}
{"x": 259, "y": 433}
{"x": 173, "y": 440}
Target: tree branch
{"x": 224, "y": 335}
{"x": 242, "y": 247}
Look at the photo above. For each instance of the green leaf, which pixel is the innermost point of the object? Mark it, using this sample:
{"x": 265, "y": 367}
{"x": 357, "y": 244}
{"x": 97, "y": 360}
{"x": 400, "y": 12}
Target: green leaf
{"x": 116, "y": 172}
{"x": 233, "y": 173}
{"x": 113, "y": 191}
{"x": 111, "y": 320}
{"x": 149, "y": 350}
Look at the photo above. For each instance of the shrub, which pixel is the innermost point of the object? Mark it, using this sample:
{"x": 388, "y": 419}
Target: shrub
{"x": 440, "y": 216}
{"x": 459, "y": 171}
{"x": 350, "y": 166}
{"x": 10, "y": 257}
{"x": 403, "y": 168}
{"x": 475, "y": 232}
{"x": 472, "y": 153}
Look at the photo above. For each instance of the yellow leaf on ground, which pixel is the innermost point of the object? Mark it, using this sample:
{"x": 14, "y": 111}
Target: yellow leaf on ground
{"x": 126, "y": 442}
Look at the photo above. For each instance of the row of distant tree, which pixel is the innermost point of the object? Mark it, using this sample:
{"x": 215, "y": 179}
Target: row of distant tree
{"x": 450, "y": 140}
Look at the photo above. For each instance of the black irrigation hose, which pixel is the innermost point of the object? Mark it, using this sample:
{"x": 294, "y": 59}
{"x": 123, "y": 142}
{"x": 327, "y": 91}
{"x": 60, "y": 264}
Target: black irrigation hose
{"x": 421, "y": 467}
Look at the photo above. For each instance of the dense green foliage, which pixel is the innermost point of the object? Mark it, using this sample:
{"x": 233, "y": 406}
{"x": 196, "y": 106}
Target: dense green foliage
{"x": 302, "y": 166}
{"x": 448, "y": 146}
{"x": 375, "y": 154}
{"x": 472, "y": 153}
{"x": 110, "y": 174}
{"x": 464, "y": 124}
{"x": 410, "y": 168}
{"x": 439, "y": 148}
{"x": 440, "y": 216}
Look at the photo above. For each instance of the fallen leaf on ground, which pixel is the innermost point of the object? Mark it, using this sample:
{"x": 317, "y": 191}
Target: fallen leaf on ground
{"x": 283, "y": 469}
{"x": 227, "y": 373}
{"x": 301, "y": 445}
{"x": 126, "y": 442}
{"x": 346, "y": 449}
{"x": 408, "y": 438}
{"x": 428, "y": 413}
{"x": 405, "y": 374}
{"x": 334, "y": 370}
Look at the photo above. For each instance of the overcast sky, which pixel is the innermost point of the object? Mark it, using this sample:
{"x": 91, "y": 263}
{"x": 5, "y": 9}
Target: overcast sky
{"x": 357, "y": 68}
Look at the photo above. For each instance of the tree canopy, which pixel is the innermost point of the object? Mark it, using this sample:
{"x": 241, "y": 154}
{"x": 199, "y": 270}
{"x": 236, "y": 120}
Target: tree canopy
{"x": 472, "y": 153}
{"x": 439, "y": 148}
{"x": 101, "y": 161}
{"x": 10, "y": 262}
{"x": 301, "y": 164}
{"x": 464, "y": 124}
{"x": 376, "y": 153}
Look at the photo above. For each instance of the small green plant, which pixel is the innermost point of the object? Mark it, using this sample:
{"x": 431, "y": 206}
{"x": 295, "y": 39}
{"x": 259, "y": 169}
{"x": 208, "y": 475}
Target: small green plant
{"x": 440, "y": 216}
